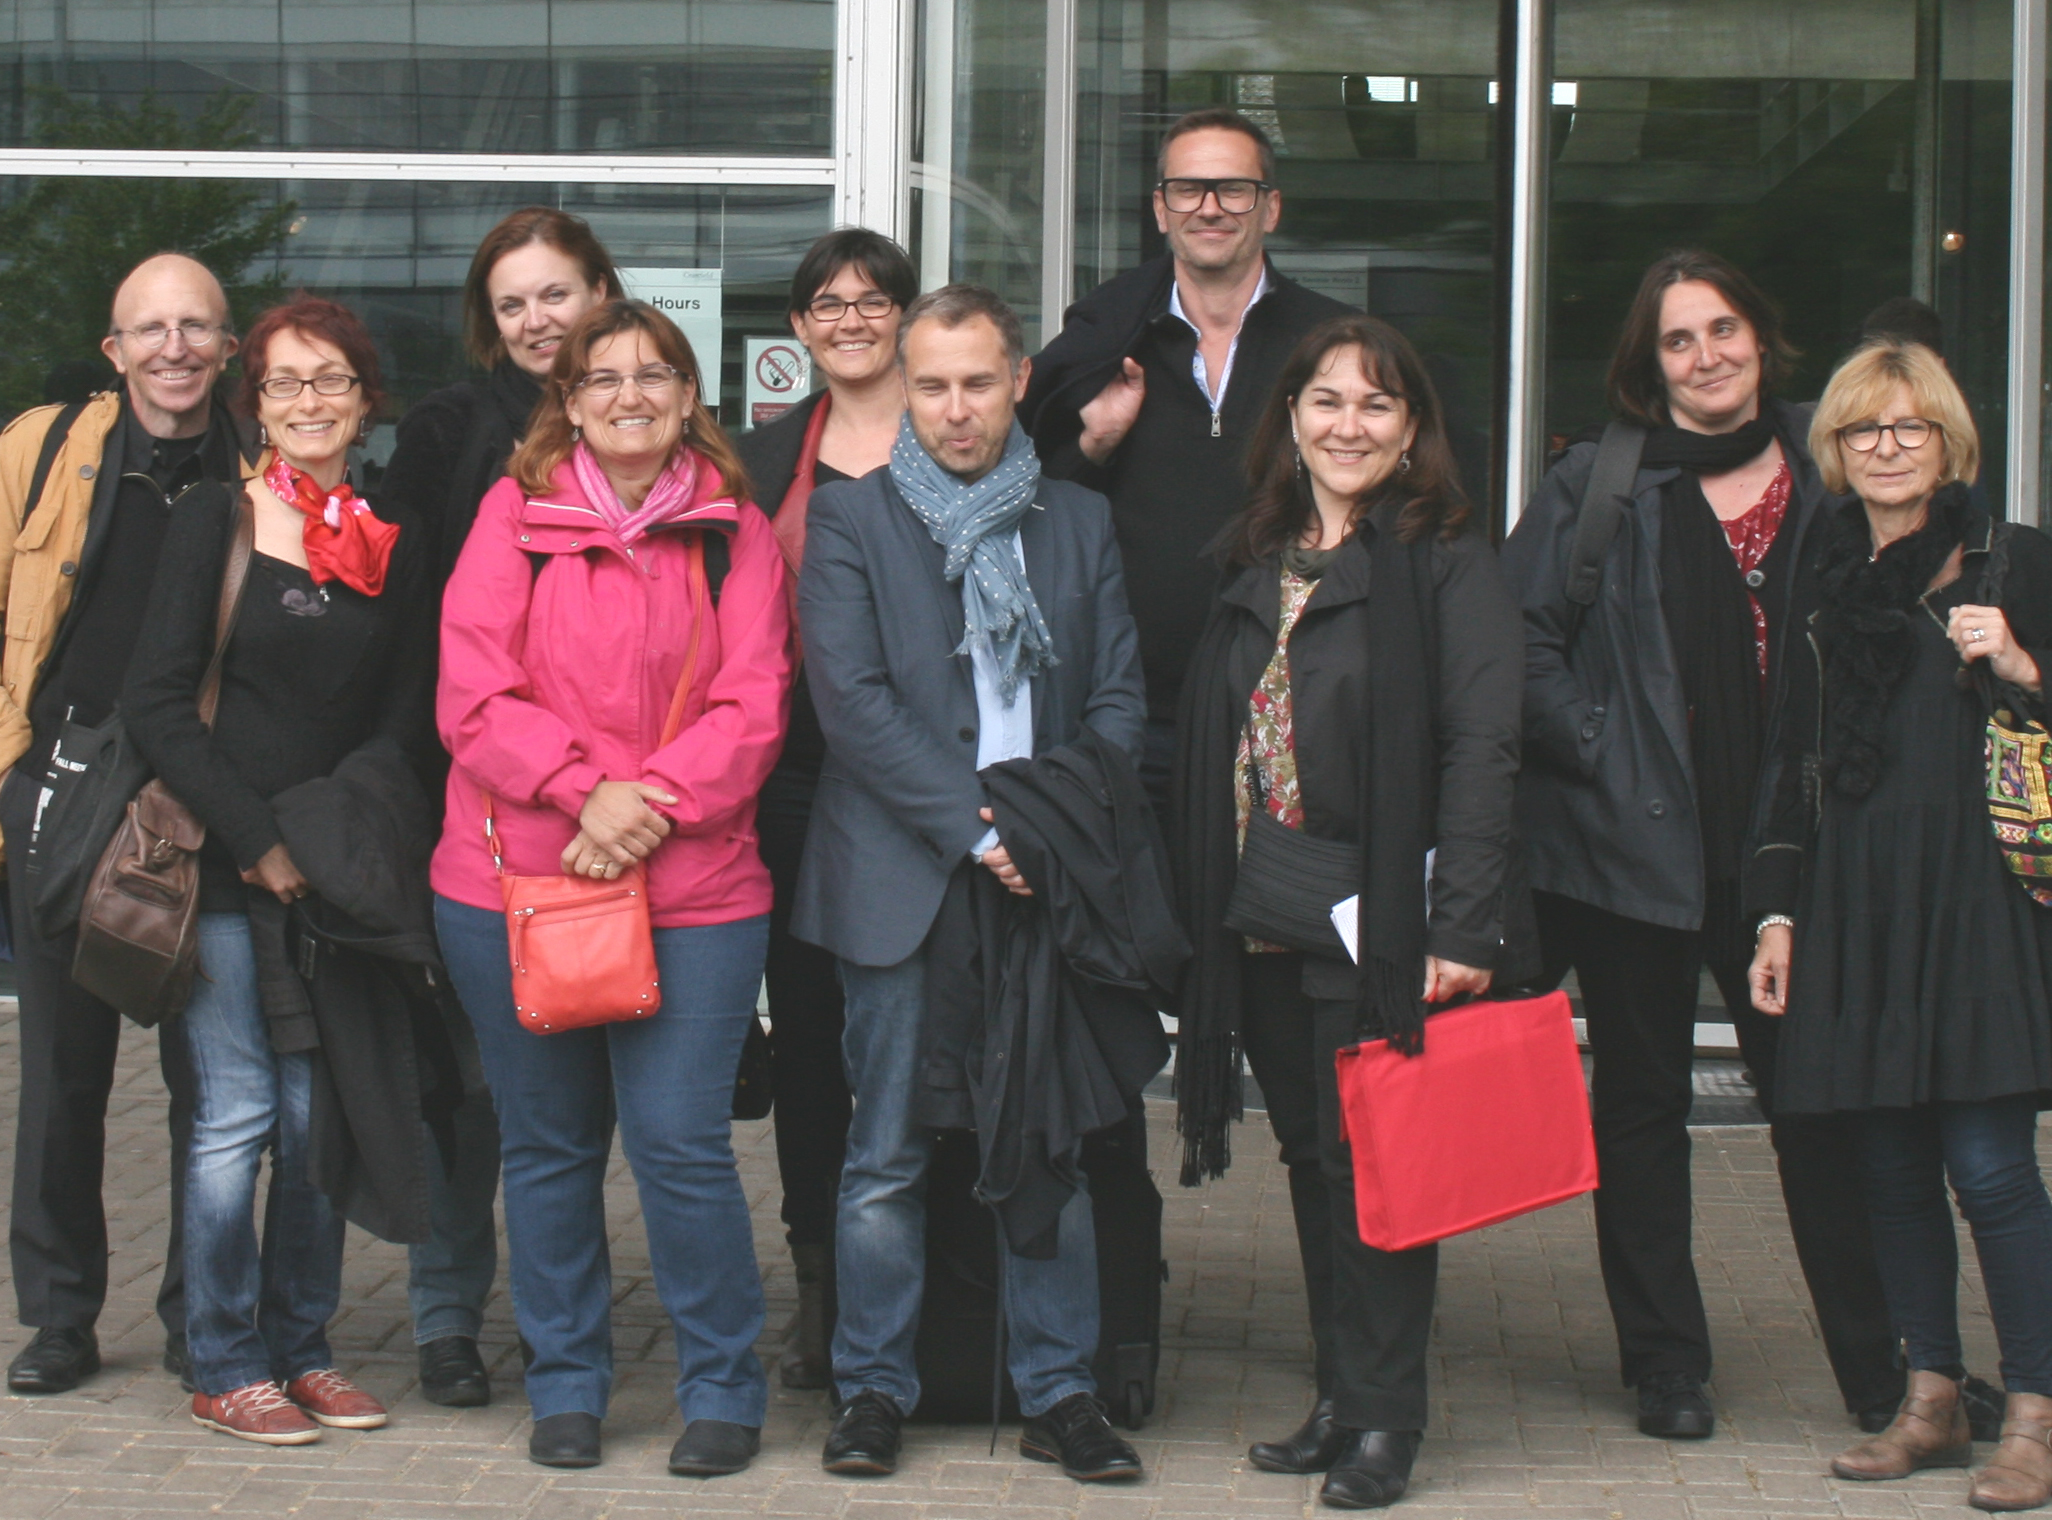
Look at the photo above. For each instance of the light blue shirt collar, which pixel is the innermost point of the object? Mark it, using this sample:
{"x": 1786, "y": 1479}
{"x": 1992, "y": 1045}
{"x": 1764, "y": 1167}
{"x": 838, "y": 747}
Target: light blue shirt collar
{"x": 1225, "y": 376}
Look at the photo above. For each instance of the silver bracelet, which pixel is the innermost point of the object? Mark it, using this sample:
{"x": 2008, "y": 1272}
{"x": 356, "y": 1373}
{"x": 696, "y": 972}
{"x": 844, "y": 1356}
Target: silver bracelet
{"x": 1774, "y": 918}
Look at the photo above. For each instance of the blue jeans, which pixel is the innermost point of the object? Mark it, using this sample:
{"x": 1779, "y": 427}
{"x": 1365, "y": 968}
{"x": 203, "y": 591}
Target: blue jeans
{"x": 670, "y": 1081}
{"x": 880, "y": 1241}
{"x": 449, "y": 1275}
{"x": 1988, "y": 1151}
{"x": 251, "y": 1314}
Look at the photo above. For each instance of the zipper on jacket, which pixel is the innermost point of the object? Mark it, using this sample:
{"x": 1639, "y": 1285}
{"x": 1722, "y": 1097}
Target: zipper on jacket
{"x": 1214, "y": 423}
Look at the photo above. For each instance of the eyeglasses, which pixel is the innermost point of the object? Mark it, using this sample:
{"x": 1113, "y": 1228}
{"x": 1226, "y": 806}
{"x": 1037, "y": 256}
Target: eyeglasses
{"x": 650, "y": 380}
{"x": 1910, "y": 433}
{"x": 833, "y": 308}
{"x": 153, "y": 335}
{"x": 286, "y": 387}
{"x": 1236, "y": 197}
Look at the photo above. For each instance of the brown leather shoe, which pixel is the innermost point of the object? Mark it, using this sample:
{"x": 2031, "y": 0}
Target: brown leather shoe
{"x": 1930, "y": 1430}
{"x": 256, "y": 1412}
{"x": 333, "y": 1400}
{"x": 2019, "y": 1475}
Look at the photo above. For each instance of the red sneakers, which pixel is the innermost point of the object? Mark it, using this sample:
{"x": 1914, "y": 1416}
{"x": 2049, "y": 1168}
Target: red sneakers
{"x": 256, "y": 1412}
{"x": 333, "y": 1400}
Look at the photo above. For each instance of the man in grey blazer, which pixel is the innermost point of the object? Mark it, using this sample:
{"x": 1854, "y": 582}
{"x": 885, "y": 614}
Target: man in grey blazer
{"x": 958, "y": 610}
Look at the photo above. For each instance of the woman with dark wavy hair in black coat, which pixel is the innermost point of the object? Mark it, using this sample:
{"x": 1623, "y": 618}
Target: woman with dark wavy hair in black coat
{"x": 1358, "y": 685}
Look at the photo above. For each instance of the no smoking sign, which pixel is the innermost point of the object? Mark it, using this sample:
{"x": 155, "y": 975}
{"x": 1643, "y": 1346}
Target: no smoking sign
{"x": 779, "y": 375}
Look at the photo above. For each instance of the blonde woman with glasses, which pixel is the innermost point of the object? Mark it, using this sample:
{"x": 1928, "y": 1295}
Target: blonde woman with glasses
{"x": 1913, "y": 972}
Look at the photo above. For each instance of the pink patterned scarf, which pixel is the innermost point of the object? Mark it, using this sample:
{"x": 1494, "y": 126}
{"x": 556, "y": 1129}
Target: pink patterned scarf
{"x": 672, "y": 497}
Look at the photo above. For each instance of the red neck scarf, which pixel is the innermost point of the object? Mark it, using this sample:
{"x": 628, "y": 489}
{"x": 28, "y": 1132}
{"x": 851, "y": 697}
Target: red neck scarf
{"x": 344, "y": 541}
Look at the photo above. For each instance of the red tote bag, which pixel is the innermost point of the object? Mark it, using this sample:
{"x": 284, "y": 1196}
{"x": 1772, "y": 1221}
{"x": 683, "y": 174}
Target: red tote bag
{"x": 1490, "y": 1122}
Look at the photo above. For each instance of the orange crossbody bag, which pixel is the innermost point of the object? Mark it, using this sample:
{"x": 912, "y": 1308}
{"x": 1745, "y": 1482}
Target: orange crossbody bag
{"x": 582, "y": 952}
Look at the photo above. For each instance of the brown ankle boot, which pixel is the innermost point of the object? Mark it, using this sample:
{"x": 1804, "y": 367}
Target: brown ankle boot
{"x": 2019, "y": 1475}
{"x": 1930, "y": 1430}
{"x": 806, "y": 1360}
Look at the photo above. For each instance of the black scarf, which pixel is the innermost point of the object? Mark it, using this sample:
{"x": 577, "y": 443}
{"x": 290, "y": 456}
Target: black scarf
{"x": 1864, "y": 627}
{"x": 1671, "y": 447}
{"x": 1399, "y": 802}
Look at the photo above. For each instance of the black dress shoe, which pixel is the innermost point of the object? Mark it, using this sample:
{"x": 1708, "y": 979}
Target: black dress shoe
{"x": 1672, "y": 1407}
{"x": 1373, "y": 1470}
{"x": 865, "y": 1437}
{"x": 1985, "y": 1405}
{"x": 56, "y": 1361}
{"x": 565, "y": 1440}
{"x": 1876, "y": 1418}
{"x": 1314, "y": 1447}
{"x": 709, "y": 1448}
{"x": 178, "y": 1359}
{"x": 453, "y": 1374}
{"x": 1076, "y": 1434}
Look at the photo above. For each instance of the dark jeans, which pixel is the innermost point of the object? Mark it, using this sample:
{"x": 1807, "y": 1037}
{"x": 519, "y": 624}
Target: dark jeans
{"x": 807, "y": 1072}
{"x": 1639, "y": 984}
{"x": 70, "y": 1040}
{"x": 1988, "y": 1151}
{"x": 1371, "y": 1311}
{"x": 669, "y": 1081}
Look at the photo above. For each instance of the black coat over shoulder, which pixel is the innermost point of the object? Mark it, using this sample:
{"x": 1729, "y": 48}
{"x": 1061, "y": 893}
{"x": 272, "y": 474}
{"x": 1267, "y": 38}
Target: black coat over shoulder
{"x": 452, "y": 447}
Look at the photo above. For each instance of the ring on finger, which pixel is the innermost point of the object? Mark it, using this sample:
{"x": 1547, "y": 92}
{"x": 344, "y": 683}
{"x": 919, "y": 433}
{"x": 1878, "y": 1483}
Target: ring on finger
{"x": 1975, "y": 635}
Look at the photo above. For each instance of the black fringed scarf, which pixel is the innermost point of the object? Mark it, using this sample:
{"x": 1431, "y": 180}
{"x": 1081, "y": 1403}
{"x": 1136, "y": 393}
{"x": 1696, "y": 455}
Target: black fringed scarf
{"x": 1864, "y": 628}
{"x": 1398, "y": 805}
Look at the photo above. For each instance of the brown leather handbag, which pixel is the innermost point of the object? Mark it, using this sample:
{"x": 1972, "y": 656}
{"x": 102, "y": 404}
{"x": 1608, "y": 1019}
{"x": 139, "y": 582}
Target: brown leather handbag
{"x": 138, "y": 929}
{"x": 582, "y": 952}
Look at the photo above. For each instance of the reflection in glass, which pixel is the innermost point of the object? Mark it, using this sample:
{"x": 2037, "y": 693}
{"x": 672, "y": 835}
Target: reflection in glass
{"x": 442, "y": 76}
{"x": 397, "y": 253}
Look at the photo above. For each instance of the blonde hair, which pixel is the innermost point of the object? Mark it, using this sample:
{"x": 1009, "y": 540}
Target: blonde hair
{"x": 550, "y": 437}
{"x": 1866, "y": 382}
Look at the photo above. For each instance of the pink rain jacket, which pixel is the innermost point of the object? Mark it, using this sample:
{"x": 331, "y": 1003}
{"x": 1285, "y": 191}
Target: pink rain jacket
{"x": 554, "y": 682}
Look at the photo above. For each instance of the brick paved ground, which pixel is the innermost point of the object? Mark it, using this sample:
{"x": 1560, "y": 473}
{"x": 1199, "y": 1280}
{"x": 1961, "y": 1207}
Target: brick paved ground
{"x": 1528, "y": 1417}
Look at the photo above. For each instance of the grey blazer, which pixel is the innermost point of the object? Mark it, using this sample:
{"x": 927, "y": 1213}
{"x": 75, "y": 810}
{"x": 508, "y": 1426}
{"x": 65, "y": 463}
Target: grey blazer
{"x": 897, "y": 805}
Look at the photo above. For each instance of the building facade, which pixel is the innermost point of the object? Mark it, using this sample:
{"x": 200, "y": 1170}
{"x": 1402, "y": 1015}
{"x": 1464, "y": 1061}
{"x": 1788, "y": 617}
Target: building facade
{"x": 1490, "y": 175}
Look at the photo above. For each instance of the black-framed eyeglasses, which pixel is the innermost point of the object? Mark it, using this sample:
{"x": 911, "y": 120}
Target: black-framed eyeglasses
{"x": 287, "y": 387}
{"x": 154, "y": 335}
{"x": 1910, "y": 433}
{"x": 650, "y": 380}
{"x": 1236, "y": 197}
{"x": 873, "y": 304}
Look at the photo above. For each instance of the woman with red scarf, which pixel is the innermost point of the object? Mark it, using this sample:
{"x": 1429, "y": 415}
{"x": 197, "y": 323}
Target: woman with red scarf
{"x": 329, "y": 650}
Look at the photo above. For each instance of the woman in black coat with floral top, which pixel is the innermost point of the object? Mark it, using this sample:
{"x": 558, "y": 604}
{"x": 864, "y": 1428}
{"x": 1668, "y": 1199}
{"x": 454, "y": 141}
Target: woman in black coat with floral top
{"x": 1359, "y": 682}
{"x": 1912, "y": 969}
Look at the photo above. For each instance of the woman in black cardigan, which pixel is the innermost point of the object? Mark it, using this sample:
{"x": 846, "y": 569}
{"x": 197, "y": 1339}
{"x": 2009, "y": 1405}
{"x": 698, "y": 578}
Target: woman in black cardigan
{"x": 1359, "y": 682}
{"x": 332, "y": 647}
{"x": 1912, "y": 970}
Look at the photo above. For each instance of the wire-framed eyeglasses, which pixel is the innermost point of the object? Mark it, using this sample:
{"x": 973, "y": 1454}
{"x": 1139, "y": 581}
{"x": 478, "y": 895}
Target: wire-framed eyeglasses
{"x": 288, "y": 387}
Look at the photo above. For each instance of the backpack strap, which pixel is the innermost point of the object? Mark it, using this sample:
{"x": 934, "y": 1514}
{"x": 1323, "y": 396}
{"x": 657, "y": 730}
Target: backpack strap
{"x": 1602, "y": 509}
{"x": 60, "y": 429}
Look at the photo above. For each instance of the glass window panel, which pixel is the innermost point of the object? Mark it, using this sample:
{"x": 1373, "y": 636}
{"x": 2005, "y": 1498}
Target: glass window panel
{"x": 1381, "y": 117}
{"x": 509, "y": 76}
{"x": 395, "y": 252}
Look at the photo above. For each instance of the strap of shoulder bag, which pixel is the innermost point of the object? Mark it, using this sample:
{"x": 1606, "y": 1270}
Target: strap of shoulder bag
{"x": 1602, "y": 509}
{"x": 233, "y": 579}
{"x": 60, "y": 429}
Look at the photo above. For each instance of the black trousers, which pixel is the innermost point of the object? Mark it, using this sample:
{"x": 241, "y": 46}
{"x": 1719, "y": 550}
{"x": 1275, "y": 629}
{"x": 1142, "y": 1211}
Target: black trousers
{"x": 57, "y": 1239}
{"x": 1639, "y": 984}
{"x": 1371, "y": 1311}
{"x": 807, "y": 1070}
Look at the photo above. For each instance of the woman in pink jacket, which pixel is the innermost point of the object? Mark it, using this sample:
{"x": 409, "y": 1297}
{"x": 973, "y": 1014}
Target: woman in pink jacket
{"x": 565, "y": 632}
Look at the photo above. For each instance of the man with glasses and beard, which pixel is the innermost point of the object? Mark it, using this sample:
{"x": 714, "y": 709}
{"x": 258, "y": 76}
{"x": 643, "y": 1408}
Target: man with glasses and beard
{"x": 1152, "y": 388}
{"x": 85, "y": 492}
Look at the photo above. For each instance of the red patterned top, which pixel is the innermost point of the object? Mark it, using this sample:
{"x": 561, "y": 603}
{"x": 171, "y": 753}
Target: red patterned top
{"x": 1751, "y": 535}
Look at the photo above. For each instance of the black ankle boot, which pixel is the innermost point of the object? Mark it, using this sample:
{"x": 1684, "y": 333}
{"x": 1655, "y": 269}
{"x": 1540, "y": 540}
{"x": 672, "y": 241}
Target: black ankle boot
{"x": 1373, "y": 1471}
{"x": 1312, "y": 1448}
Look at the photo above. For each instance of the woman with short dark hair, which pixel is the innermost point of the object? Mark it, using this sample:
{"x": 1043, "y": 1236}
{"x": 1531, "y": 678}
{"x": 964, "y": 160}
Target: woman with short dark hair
{"x": 1645, "y": 720}
{"x": 1357, "y": 684}
{"x": 847, "y": 299}
{"x": 1911, "y": 967}
{"x": 331, "y": 648}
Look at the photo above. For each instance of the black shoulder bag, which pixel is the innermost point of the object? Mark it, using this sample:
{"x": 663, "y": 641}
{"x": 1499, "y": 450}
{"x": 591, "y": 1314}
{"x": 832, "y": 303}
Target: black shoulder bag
{"x": 1602, "y": 509}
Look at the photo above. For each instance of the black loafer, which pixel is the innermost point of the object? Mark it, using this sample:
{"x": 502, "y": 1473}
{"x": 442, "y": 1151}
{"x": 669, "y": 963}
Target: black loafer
{"x": 57, "y": 1360}
{"x": 1076, "y": 1434}
{"x": 178, "y": 1359}
{"x": 1313, "y": 1448}
{"x": 453, "y": 1374}
{"x": 709, "y": 1448}
{"x": 1876, "y": 1418}
{"x": 867, "y": 1432}
{"x": 1373, "y": 1471}
{"x": 565, "y": 1440}
{"x": 1672, "y": 1407}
